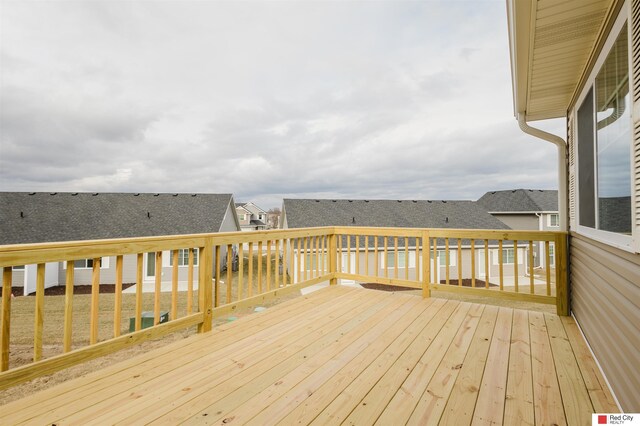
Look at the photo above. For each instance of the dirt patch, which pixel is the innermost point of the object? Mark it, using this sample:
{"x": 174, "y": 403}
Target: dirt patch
{"x": 466, "y": 282}
{"x": 61, "y": 290}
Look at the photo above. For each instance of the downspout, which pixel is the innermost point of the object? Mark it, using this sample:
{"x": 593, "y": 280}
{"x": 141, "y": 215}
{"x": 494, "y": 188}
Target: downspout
{"x": 562, "y": 165}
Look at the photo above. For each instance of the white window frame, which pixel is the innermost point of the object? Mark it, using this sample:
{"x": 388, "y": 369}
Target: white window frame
{"x": 104, "y": 264}
{"x": 552, "y": 257}
{"x": 453, "y": 255}
{"x": 550, "y": 222}
{"x": 497, "y": 254}
{"x": 623, "y": 242}
{"x": 242, "y": 216}
{"x": 183, "y": 256}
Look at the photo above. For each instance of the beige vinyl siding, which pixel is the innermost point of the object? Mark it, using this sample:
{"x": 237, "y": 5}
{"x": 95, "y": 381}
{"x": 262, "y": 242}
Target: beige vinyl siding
{"x": 605, "y": 299}
{"x": 519, "y": 221}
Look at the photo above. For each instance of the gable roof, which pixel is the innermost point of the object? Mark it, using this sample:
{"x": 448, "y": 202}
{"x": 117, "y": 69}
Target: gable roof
{"x": 46, "y": 217}
{"x": 520, "y": 200}
{"x": 301, "y": 213}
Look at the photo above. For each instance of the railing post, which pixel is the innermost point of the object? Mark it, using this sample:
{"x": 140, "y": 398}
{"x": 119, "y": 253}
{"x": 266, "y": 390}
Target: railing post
{"x": 205, "y": 278}
{"x": 562, "y": 286}
{"x": 333, "y": 258}
{"x": 5, "y": 331}
{"x": 426, "y": 265}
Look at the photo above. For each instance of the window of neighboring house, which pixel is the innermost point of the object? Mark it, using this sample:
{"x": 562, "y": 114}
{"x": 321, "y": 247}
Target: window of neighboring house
{"x": 310, "y": 262}
{"x": 554, "y": 220}
{"x": 242, "y": 216}
{"x": 552, "y": 257}
{"x": 183, "y": 257}
{"x": 88, "y": 263}
{"x": 442, "y": 258}
{"x": 508, "y": 256}
{"x": 391, "y": 260}
{"x": 604, "y": 135}
{"x": 261, "y": 217}
{"x": 18, "y": 268}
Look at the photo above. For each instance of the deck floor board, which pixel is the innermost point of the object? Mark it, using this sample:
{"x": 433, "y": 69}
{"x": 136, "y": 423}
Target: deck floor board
{"x": 345, "y": 356}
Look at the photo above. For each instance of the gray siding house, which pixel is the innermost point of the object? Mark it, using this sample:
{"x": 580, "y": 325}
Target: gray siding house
{"x": 303, "y": 213}
{"x": 38, "y": 217}
{"x": 527, "y": 210}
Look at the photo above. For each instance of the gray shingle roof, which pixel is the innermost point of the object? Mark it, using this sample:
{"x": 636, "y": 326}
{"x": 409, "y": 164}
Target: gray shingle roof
{"x": 302, "y": 213}
{"x": 520, "y": 200}
{"x": 42, "y": 217}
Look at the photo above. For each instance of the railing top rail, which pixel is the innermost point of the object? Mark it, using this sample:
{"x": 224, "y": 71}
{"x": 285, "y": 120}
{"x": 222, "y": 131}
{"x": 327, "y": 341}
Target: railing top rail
{"x": 480, "y": 234}
{"x": 21, "y": 254}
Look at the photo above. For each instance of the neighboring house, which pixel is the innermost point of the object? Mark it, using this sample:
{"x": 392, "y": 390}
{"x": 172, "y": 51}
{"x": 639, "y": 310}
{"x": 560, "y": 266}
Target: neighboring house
{"x": 251, "y": 217}
{"x": 273, "y": 218}
{"x": 525, "y": 209}
{"x": 39, "y": 217}
{"x": 305, "y": 213}
{"x": 589, "y": 74}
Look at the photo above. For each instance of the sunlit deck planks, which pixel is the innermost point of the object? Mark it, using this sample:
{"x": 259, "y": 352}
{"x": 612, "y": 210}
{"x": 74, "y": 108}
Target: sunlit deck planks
{"x": 352, "y": 356}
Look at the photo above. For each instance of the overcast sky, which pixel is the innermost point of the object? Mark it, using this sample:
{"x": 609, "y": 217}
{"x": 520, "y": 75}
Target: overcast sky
{"x": 266, "y": 100}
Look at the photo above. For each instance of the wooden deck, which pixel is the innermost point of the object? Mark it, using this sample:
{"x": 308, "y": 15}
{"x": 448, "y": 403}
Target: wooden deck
{"x": 351, "y": 356}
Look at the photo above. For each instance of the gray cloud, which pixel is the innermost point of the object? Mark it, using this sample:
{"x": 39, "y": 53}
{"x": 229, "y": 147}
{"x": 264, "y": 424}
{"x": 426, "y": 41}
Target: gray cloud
{"x": 263, "y": 99}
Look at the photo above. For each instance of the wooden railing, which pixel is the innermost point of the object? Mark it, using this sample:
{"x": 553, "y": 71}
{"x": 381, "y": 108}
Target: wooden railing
{"x": 246, "y": 268}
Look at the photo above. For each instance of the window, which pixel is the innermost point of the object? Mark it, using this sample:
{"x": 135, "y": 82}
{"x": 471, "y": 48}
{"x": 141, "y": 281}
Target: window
{"x": 442, "y": 258}
{"x": 604, "y": 143}
{"x": 552, "y": 256}
{"x": 242, "y": 216}
{"x": 391, "y": 260}
{"x": 88, "y": 263}
{"x": 554, "y": 220}
{"x": 508, "y": 256}
{"x": 311, "y": 262}
{"x": 18, "y": 268}
{"x": 183, "y": 257}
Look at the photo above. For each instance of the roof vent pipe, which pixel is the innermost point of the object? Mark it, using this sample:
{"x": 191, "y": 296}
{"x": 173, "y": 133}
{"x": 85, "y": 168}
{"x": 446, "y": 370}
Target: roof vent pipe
{"x": 562, "y": 165}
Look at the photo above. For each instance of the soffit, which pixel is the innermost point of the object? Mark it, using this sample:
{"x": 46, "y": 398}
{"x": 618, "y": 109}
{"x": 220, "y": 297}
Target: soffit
{"x": 552, "y": 42}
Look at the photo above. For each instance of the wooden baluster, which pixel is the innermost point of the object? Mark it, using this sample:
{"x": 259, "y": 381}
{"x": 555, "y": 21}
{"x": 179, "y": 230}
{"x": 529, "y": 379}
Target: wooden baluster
{"x": 473, "y": 263}
{"x": 174, "y": 284}
{"x": 205, "y": 278}
{"x": 117, "y": 305}
{"x": 268, "y": 265}
{"x": 5, "y": 329}
{"x": 531, "y": 278}
{"x": 459, "y": 262}
{"x": 395, "y": 257}
{"x": 158, "y": 289}
{"x": 285, "y": 261}
{"x": 547, "y": 263}
{"x": 317, "y": 256}
{"x": 376, "y": 257}
{"x": 515, "y": 264}
{"x": 349, "y": 254}
{"x": 339, "y": 253}
{"x": 139, "y": 275}
{"x": 276, "y": 269}
{"x": 68, "y": 307}
{"x": 190, "y": 283}
{"x": 446, "y": 259}
{"x": 366, "y": 255}
{"x": 501, "y": 264}
{"x": 216, "y": 292}
{"x": 259, "y": 267}
{"x": 386, "y": 257}
{"x": 39, "y": 313}
{"x": 95, "y": 306}
{"x": 406, "y": 259}
{"x": 486, "y": 263}
{"x": 436, "y": 269}
{"x": 300, "y": 246}
{"x": 240, "y": 270}
{"x": 357, "y": 254}
{"x": 229, "y": 272}
{"x": 426, "y": 273}
{"x": 250, "y": 272}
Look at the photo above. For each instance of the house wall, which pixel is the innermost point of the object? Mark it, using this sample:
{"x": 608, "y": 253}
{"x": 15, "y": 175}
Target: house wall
{"x": 519, "y": 221}
{"x": 605, "y": 300}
